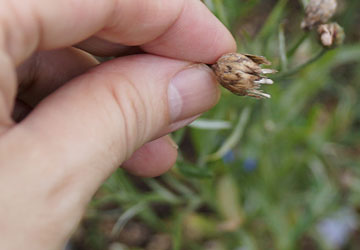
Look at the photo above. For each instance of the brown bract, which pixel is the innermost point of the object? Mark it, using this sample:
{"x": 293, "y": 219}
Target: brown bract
{"x": 318, "y": 12}
{"x": 242, "y": 74}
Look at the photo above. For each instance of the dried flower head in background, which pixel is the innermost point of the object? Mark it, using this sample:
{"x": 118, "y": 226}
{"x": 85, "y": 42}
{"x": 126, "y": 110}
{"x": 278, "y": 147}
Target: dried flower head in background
{"x": 242, "y": 74}
{"x": 318, "y": 12}
{"x": 331, "y": 35}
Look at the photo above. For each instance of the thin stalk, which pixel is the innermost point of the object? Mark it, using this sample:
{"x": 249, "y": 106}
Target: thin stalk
{"x": 300, "y": 67}
{"x": 282, "y": 48}
{"x": 294, "y": 48}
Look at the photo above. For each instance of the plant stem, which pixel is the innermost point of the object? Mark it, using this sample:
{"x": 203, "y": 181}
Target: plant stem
{"x": 294, "y": 48}
{"x": 300, "y": 67}
{"x": 282, "y": 48}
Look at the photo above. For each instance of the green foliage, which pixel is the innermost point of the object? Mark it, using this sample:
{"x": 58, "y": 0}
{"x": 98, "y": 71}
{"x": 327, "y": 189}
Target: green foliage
{"x": 262, "y": 174}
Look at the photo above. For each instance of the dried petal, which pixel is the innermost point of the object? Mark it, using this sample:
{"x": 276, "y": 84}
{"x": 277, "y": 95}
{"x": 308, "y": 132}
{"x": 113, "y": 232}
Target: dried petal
{"x": 318, "y": 12}
{"x": 268, "y": 71}
{"x": 242, "y": 74}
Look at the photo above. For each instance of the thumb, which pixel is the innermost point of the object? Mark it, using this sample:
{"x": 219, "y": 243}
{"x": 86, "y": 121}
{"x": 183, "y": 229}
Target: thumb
{"x": 79, "y": 135}
{"x": 95, "y": 122}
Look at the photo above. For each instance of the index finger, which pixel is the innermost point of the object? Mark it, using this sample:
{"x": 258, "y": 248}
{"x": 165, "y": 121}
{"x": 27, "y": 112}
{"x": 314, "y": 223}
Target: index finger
{"x": 183, "y": 29}
{"x": 197, "y": 35}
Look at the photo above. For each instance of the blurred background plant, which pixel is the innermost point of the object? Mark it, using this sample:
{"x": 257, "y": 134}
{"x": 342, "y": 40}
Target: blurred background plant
{"x": 282, "y": 173}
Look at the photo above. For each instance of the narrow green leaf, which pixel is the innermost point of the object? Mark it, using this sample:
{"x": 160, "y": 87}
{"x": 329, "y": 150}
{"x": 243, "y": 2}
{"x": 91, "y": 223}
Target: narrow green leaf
{"x": 210, "y": 124}
{"x": 234, "y": 138}
{"x": 177, "y": 231}
{"x": 193, "y": 171}
{"x": 162, "y": 191}
{"x": 125, "y": 217}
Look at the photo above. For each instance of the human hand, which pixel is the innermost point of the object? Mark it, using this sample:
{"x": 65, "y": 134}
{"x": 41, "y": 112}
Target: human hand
{"x": 83, "y": 119}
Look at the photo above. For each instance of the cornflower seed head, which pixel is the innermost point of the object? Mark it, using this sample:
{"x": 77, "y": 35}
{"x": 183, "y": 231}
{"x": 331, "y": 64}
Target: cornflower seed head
{"x": 331, "y": 35}
{"x": 318, "y": 12}
{"x": 242, "y": 74}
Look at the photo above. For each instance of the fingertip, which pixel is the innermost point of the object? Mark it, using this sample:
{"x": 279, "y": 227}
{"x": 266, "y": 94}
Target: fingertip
{"x": 153, "y": 158}
{"x": 197, "y": 35}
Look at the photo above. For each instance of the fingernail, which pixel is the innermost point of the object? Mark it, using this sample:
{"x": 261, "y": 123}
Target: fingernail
{"x": 179, "y": 124}
{"x": 192, "y": 91}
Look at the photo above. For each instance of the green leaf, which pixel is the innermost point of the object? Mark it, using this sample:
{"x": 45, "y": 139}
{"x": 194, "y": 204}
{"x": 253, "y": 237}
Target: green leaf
{"x": 209, "y": 124}
{"x": 234, "y": 138}
{"x": 194, "y": 171}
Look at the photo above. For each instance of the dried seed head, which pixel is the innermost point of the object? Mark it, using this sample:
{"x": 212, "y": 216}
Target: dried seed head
{"x": 331, "y": 35}
{"x": 318, "y": 12}
{"x": 242, "y": 74}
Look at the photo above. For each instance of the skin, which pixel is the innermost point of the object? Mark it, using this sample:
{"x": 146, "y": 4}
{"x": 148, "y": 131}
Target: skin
{"x": 68, "y": 122}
